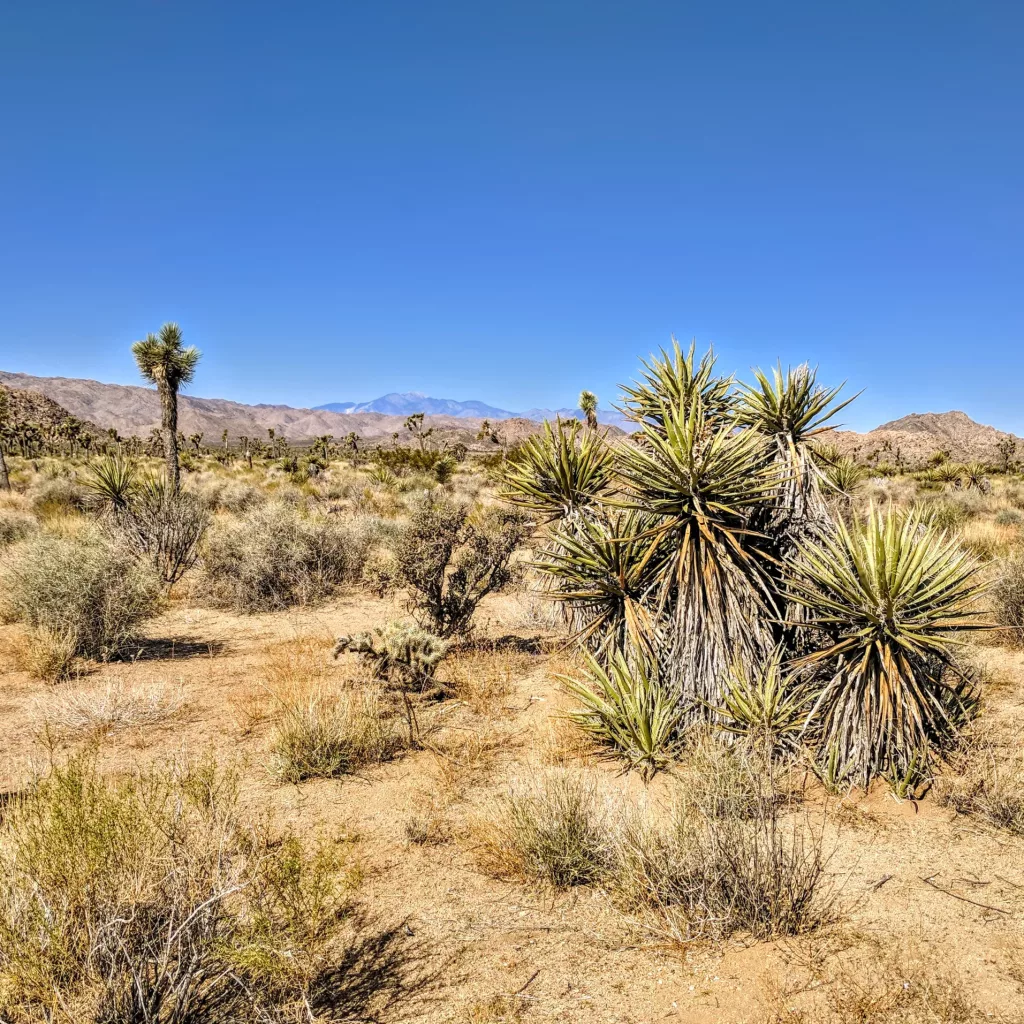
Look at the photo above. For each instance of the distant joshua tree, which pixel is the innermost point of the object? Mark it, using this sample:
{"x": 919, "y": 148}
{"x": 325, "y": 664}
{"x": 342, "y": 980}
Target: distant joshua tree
{"x": 163, "y": 361}
{"x": 588, "y": 406}
{"x": 5, "y": 481}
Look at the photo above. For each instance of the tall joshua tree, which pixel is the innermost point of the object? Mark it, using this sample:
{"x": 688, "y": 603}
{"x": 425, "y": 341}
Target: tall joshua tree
{"x": 588, "y": 406}
{"x": 164, "y": 362}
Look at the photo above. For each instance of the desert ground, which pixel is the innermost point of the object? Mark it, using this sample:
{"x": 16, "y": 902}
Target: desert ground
{"x": 921, "y": 896}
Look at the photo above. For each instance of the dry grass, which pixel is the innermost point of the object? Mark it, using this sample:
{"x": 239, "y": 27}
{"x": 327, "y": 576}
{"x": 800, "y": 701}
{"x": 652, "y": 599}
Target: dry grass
{"x": 986, "y": 779}
{"x": 485, "y": 680}
{"x": 326, "y": 734}
{"x": 895, "y": 980}
{"x": 115, "y": 705}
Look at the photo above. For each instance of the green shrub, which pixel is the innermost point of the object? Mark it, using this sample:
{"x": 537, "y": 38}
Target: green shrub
{"x": 84, "y": 593}
{"x": 151, "y": 898}
{"x": 1009, "y": 517}
{"x": 273, "y": 557}
{"x": 450, "y": 557}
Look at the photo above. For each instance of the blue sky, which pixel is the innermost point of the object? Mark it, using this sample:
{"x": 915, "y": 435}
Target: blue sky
{"x": 511, "y": 201}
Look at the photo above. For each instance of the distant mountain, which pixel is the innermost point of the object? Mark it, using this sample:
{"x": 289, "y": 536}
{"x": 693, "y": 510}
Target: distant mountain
{"x": 409, "y": 402}
{"x": 915, "y": 438}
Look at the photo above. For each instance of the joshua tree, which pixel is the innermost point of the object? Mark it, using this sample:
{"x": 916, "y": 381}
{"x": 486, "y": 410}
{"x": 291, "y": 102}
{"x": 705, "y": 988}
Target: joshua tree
{"x": 164, "y": 362}
{"x": 224, "y": 439}
{"x": 414, "y": 424}
{"x": 1007, "y": 449}
{"x": 5, "y": 481}
{"x": 588, "y": 406}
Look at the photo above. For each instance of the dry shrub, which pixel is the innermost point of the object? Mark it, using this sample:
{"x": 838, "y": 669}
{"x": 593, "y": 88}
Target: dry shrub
{"x": 986, "y": 779}
{"x": 324, "y": 734}
{"x": 563, "y": 744}
{"x": 15, "y": 526}
{"x": 1008, "y": 598}
{"x": 987, "y": 540}
{"x": 274, "y": 557}
{"x": 54, "y": 497}
{"x": 551, "y": 829}
{"x": 150, "y": 898}
{"x": 725, "y": 857}
{"x": 82, "y": 596}
{"x": 109, "y": 707}
{"x": 895, "y": 980}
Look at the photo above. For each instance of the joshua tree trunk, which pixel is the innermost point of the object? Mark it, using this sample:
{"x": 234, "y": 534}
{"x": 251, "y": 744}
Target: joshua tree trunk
{"x": 5, "y": 480}
{"x": 169, "y": 408}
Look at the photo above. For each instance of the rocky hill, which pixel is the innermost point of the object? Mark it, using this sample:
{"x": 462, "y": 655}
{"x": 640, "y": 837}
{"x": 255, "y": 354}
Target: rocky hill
{"x": 915, "y": 438}
{"x": 28, "y": 406}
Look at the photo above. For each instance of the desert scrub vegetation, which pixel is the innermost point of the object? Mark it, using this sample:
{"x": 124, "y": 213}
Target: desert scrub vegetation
{"x": 81, "y": 595}
{"x": 397, "y": 652}
{"x": 451, "y": 556}
{"x": 705, "y": 549}
{"x": 15, "y": 525}
{"x": 108, "y": 707}
{"x": 152, "y": 897}
{"x": 324, "y": 734}
{"x": 1008, "y": 598}
{"x": 274, "y": 556}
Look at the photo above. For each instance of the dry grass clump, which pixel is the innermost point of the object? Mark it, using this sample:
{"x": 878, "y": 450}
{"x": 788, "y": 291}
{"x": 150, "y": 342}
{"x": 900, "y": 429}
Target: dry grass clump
{"x": 16, "y": 525}
{"x": 109, "y": 707}
{"x": 986, "y": 780}
{"x": 725, "y": 857}
{"x": 551, "y": 829}
{"x": 988, "y": 540}
{"x": 486, "y": 679}
{"x": 1008, "y": 598}
{"x": 81, "y": 596}
{"x": 324, "y": 734}
{"x": 274, "y": 557}
{"x": 150, "y": 898}
{"x": 53, "y": 497}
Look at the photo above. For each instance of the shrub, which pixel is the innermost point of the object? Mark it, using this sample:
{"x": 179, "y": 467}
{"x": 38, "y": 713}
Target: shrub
{"x": 273, "y": 557}
{"x": 165, "y": 529}
{"x": 57, "y": 496}
{"x": 150, "y": 898}
{"x": 551, "y": 830}
{"x": 988, "y": 782}
{"x": 381, "y": 573}
{"x": 450, "y": 557}
{"x": 325, "y": 735}
{"x": 85, "y": 593}
{"x": 116, "y": 705}
{"x": 704, "y": 873}
{"x": 15, "y": 526}
{"x": 1009, "y": 517}
{"x": 1008, "y": 598}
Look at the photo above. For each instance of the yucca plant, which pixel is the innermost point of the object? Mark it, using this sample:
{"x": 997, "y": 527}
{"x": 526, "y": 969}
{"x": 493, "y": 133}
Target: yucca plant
{"x": 560, "y": 472}
{"x": 700, "y": 483}
{"x": 947, "y": 473}
{"x": 112, "y": 481}
{"x": 601, "y": 571}
{"x": 888, "y": 595}
{"x": 626, "y": 708}
{"x": 975, "y": 474}
{"x": 768, "y": 705}
{"x": 843, "y": 476}
{"x": 382, "y": 475}
{"x": 676, "y": 381}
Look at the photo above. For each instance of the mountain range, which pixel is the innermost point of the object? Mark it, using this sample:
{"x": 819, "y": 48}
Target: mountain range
{"x": 409, "y": 402}
{"x": 136, "y": 410}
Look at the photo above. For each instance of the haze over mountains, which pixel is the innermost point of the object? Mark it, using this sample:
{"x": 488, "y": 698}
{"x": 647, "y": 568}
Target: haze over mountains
{"x": 136, "y": 410}
{"x": 406, "y": 403}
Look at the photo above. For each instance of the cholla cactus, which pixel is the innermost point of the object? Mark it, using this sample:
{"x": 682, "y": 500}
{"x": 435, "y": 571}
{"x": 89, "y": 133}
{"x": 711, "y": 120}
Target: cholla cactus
{"x": 398, "y": 652}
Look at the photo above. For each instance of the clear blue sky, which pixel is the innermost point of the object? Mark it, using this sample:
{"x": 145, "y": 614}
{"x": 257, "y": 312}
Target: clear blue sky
{"x": 511, "y": 201}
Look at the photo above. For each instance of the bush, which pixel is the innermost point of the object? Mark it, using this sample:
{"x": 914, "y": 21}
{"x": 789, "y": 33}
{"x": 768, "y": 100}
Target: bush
{"x": 397, "y": 652}
{"x": 1008, "y": 598}
{"x": 987, "y": 782}
{"x": 57, "y": 496}
{"x": 165, "y": 529}
{"x": 707, "y": 872}
{"x": 450, "y": 557}
{"x": 1009, "y": 517}
{"x": 15, "y": 526}
{"x": 325, "y": 735}
{"x": 84, "y": 595}
{"x": 552, "y": 830}
{"x": 150, "y": 898}
{"x": 273, "y": 557}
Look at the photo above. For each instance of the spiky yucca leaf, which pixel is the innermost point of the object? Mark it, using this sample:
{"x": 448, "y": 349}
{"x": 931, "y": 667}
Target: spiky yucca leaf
{"x": 559, "y": 472}
{"x": 947, "y": 472}
{"x": 975, "y": 474}
{"x": 768, "y": 704}
{"x": 701, "y": 485}
{"x": 843, "y": 476}
{"x": 113, "y": 480}
{"x": 599, "y": 568}
{"x": 791, "y": 405}
{"x": 675, "y": 381}
{"x": 627, "y": 709}
{"x": 890, "y": 594}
